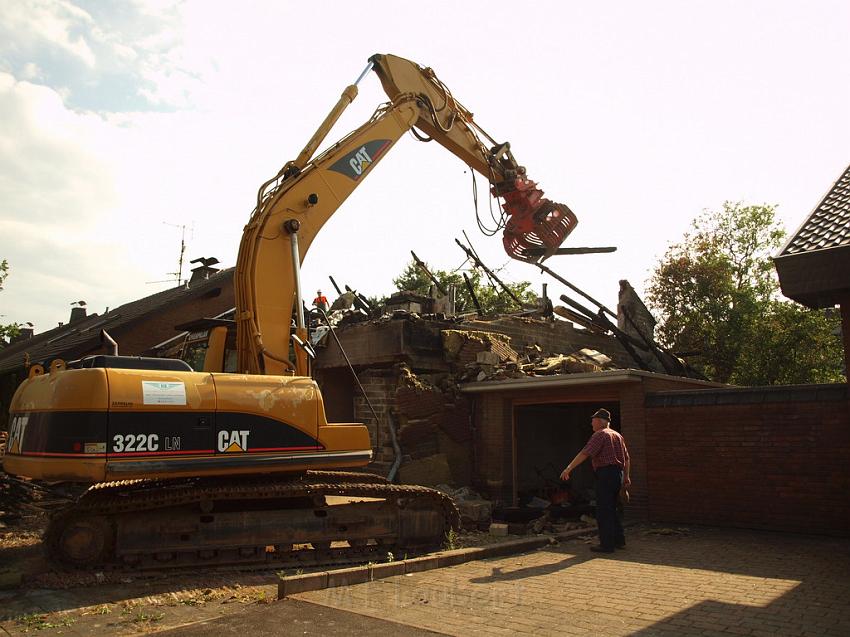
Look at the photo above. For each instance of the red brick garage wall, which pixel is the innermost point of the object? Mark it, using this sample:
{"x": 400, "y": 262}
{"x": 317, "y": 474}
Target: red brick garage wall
{"x": 768, "y": 458}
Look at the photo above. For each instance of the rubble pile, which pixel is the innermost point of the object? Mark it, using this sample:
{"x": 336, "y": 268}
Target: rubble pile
{"x": 15, "y": 496}
{"x": 476, "y": 513}
{"x": 434, "y": 429}
{"x": 480, "y": 356}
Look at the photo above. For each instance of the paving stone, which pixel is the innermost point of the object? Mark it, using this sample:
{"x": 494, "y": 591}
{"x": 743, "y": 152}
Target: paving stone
{"x": 711, "y": 582}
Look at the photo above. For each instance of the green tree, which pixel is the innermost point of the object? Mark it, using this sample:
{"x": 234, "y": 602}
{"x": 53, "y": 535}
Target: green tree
{"x": 717, "y": 296}
{"x": 491, "y": 299}
{"x": 10, "y": 330}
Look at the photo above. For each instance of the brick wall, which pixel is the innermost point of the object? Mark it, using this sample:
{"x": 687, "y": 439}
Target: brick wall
{"x": 158, "y": 326}
{"x": 380, "y": 386}
{"x": 768, "y": 458}
{"x": 494, "y": 427}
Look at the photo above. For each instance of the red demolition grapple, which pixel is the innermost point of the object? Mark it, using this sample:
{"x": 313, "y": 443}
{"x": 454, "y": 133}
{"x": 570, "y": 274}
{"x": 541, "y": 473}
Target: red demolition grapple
{"x": 533, "y": 223}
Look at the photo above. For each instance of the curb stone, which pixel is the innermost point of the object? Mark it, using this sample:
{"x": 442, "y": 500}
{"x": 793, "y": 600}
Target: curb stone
{"x": 292, "y": 584}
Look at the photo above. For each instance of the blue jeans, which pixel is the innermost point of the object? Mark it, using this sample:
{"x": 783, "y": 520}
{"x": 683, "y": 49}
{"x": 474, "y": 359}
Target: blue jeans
{"x": 609, "y": 480}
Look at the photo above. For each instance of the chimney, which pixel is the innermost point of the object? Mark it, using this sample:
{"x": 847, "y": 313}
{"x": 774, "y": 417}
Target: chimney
{"x": 204, "y": 271}
{"x": 77, "y": 314}
{"x": 24, "y": 334}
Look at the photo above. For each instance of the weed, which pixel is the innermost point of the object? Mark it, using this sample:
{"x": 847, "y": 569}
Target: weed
{"x": 38, "y": 621}
{"x": 451, "y": 542}
{"x": 390, "y": 556}
{"x": 193, "y": 601}
{"x": 262, "y": 598}
{"x": 143, "y": 617}
{"x": 32, "y": 621}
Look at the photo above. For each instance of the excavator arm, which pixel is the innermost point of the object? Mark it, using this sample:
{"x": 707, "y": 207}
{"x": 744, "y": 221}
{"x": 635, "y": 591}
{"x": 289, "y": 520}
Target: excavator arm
{"x": 293, "y": 206}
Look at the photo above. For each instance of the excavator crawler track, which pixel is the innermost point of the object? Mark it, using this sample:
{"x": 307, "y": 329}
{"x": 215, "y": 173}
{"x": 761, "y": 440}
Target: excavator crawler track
{"x": 312, "y": 519}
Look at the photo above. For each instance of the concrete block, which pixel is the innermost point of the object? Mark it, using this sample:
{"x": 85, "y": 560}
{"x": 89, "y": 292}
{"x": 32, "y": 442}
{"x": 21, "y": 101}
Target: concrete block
{"x": 514, "y": 546}
{"x": 390, "y": 569}
{"x": 498, "y": 529}
{"x": 427, "y": 472}
{"x": 418, "y": 564}
{"x": 574, "y": 533}
{"x": 458, "y": 556}
{"x": 487, "y": 358}
{"x": 294, "y": 584}
{"x": 348, "y": 576}
{"x": 10, "y": 579}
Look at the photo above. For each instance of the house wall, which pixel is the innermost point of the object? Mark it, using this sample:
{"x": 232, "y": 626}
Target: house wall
{"x": 156, "y": 327}
{"x": 767, "y": 458}
{"x": 845, "y": 334}
{"x": 432, "y": 426}
{"x": 380, "y": 386}
{"x": 494, "y": 429}
{"x": 134, "y": 337}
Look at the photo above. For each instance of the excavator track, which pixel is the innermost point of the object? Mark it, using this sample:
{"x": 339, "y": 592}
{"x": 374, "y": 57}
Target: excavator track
{"x": 313, "y": 519}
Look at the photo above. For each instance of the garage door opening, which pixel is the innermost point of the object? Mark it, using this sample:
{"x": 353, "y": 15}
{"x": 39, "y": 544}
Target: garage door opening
{"x": 547, "y": 437}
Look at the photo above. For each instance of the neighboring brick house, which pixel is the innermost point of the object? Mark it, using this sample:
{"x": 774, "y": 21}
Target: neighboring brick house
{"x": 814, "y": 266}
{"x": 765, "y": 457}
{"x": 136, "y": 326}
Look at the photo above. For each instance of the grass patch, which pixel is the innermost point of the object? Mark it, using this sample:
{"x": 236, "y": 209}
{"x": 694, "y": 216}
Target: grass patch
{"x": 40, "y": 621}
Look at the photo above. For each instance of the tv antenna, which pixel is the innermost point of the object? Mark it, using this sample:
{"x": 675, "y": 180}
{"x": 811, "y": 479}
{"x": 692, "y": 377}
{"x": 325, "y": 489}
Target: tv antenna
{"x": 178, "y": 276}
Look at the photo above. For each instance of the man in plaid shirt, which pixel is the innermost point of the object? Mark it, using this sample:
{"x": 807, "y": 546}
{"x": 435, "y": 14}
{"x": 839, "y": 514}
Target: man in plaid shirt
{"x": 610, "y": 459}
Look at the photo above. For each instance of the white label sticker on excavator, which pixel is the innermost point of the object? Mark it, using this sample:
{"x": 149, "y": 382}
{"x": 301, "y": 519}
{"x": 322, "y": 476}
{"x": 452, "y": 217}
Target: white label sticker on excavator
{"x": 157, "y": 393}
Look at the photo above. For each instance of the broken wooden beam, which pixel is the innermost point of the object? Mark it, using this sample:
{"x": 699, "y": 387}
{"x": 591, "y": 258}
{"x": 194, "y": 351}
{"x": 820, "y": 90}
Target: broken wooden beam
{"x": 625, "y": 340}
{"x": 471, "y": 291}
{"x": 477, "y": 261}
{"x": 427, "y": 272}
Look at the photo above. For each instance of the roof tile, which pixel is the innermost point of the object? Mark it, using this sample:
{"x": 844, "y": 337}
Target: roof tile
{"x": 81, "y": 336}
{"x": 829, "y": 224}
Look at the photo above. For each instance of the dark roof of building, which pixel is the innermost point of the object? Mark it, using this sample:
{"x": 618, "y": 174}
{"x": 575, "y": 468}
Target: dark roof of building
{"x": 829, "y": 224}
{"x": 75, "y": 339}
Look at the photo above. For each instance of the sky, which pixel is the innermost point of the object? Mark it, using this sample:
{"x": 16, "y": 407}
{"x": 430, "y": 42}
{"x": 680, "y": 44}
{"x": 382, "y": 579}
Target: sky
{"x": 126, "y": 125}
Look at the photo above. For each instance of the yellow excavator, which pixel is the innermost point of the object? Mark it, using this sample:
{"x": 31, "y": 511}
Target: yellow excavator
{"x": 207, "y": 467}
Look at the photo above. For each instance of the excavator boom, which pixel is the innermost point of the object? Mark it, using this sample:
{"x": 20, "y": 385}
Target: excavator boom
{"x": 293, "y": 206}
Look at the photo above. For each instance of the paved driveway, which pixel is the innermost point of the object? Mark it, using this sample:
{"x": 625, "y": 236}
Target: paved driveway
{"x": 698, "y": 582}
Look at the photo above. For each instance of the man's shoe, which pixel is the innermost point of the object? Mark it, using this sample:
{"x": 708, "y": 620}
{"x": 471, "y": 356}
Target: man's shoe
{"x": 601, "y": 549}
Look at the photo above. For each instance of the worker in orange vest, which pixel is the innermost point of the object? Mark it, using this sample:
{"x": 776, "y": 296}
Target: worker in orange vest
{"x": 321, "y": 301}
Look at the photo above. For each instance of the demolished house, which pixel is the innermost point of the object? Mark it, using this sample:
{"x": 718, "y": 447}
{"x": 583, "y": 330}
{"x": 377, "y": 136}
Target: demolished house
{"x": 494, "y": 406}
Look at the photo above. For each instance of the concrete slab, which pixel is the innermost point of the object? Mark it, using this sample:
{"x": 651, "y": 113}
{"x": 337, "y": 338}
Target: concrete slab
{"x": 293, "y": 617}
